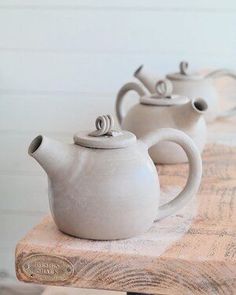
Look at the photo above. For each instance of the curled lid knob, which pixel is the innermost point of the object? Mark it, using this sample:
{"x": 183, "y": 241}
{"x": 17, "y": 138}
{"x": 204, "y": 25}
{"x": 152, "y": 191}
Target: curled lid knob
{"x": 183, "y": 67}
{"x": 104, "y": 125}
{"x": 164, "y": 88}
{"x": 163, "y": 95}
{"x": 104, "y": 137}
{"x": 184, "y": 74}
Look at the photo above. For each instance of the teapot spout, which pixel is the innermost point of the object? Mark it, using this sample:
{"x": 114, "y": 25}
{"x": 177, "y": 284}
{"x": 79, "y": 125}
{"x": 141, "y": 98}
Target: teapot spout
{"x": 146, "y": 79}
{"x": 198, "y": 106}
{"x": 52, "y": 155}
{"x": 193, "y": 110}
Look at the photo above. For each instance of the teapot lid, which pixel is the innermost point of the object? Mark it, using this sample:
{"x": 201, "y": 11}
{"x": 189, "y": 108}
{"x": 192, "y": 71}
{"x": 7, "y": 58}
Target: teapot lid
{"x": 183, "y": 73}
{"x": 163, "y": 95}
{"x": 104, "y": 137}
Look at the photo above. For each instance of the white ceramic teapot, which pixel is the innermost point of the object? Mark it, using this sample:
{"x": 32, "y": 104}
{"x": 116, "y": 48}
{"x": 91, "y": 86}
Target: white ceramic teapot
{"x": 105, "y": 186}
{"x": 192, "y": 86}
{"x": 161, "y": 110}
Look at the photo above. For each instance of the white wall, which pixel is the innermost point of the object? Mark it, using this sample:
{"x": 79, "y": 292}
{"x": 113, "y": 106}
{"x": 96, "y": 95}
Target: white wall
{"x": 61, "y": 63}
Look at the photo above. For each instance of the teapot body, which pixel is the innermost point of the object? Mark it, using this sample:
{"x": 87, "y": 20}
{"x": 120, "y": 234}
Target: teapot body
{"x": 105, "y": 186}
{"x": 106, "y": 194}
{"x": 199, "y": 88}
{"x": 142, "y": 119}
{"x": 189, "y": 84}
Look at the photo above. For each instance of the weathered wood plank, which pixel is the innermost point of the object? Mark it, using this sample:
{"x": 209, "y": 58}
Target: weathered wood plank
{"x": 193, "y": 252}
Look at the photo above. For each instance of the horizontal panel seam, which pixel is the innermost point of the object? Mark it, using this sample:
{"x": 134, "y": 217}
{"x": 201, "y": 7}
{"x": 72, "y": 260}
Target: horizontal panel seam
{"x": 114, "y": 52}
{"x": 119, "y": 8}
{"x": 22, "y": 212}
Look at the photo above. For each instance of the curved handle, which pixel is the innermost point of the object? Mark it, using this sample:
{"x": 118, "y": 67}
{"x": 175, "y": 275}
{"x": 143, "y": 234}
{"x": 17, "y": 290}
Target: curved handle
{"x": 227, "y": 114}
{"x": 122, "y": 92}
{"x": 195, "y": 166}
{"x": 220, "y": 73}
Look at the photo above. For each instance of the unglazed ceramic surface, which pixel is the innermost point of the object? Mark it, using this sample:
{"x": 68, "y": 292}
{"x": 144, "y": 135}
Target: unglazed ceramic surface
{"x": 200, "y": 88}
{"x": 110, "y": 192}
{"x": 191, "y": 86}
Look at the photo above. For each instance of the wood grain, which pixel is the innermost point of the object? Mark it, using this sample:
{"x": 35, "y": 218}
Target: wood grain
{"x": 200, "y": 260}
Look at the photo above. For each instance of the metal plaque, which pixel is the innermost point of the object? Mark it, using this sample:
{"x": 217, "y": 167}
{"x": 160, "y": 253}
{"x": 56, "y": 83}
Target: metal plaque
{"x": 47, "y": 268}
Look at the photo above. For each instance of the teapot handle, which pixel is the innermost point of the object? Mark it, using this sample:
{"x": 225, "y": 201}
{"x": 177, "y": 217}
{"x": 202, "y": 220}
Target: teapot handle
{"x": 218, "y": 74}
{"x": 195, "y": 166}
{"x": 120, "y": 96}
{"x": 228, "y": 113}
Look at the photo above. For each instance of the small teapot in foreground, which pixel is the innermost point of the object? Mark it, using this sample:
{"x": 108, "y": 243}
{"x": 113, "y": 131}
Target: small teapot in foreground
{"x": 161, "y": 110}
{"x": 105, "y": 186}
{"x": 192, "y": 86}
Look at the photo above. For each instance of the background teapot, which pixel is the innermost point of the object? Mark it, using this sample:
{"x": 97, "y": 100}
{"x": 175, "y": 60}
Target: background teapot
{"x": 192, "y": 86}
{"x": 162, "y": 109}
{"x": 105, "y": 186}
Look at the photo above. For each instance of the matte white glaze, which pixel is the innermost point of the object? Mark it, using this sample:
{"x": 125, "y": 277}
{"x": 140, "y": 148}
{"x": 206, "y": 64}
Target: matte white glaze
{"x": 191, "y": 86}
{"x": 154, "y": 113}
{"x": 110, "y": 193}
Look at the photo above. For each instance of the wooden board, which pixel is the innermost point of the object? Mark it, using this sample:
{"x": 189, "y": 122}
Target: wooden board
{"x": 192, "y": 252}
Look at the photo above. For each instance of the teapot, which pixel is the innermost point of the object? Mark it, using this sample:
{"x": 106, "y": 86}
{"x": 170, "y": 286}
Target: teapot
{"x": 160, "y": 110}
{"x": 191, "y": 85}
{"x": 105, "y": 186}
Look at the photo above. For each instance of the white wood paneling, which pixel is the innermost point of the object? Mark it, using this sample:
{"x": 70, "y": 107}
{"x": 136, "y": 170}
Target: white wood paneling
{"x": 64, "y": 73}
{"x": 118, "y": 31}
{"x": 210, "y": 5}
{"x": 7, "y": 261}
{"x": 14, "y": 156}
{"x": 24, "y": 193}
{"x": 15, "y": 226}
{"x": 51, "y": 113}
